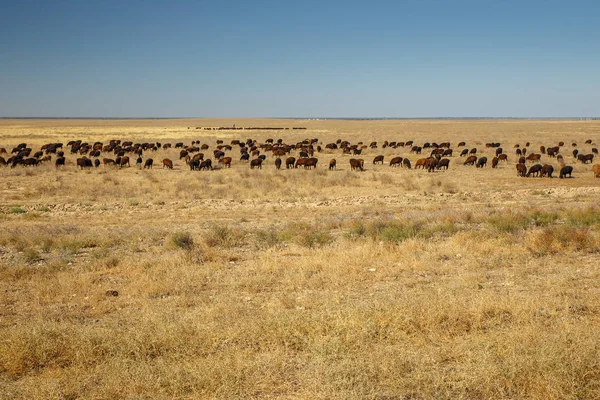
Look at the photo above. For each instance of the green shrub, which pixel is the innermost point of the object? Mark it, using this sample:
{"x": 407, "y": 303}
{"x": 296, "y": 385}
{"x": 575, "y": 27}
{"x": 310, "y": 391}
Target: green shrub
{"x": 542, "y": 218}
{"x": 585, "y": 217}
{"x": 509, "y": 223}
{"x": 16, "y": 210}
{"x": 396, "y": 231}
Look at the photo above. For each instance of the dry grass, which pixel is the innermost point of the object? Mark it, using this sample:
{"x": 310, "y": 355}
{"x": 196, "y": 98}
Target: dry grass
{"x": 387, "y": 284}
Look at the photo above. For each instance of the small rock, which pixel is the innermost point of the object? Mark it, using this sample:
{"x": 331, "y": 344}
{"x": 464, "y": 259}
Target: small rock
{"x": 113, "y": 293}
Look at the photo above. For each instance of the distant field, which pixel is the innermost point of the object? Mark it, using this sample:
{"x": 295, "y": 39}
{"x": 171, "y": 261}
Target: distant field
{"x": 236, "y": 283}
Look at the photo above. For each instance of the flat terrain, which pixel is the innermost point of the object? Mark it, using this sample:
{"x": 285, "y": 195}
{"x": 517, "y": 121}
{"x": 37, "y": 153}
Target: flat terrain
{"x": 236, "y": 283}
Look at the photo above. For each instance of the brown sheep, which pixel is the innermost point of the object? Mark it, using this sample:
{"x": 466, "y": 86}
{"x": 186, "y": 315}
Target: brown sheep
{"x": 311, "y": 162}
{"x": 430, "y": 164}
{"x": 124, "y": 161}
{"x": 521, "y": 169}
{"x": 547, "y": 170}
{"x": 332, "y": 164}
{"x": 84, "y": 162}
{"x": 584, "y": 158}
{"x": 226, "y": 161}
{"x": 596, "y": 169}
{"x": 290, "y": 162}
{"x": 564, "y": 171}
{"x": 257, "y": 162}
{"x": 206, "y": 164}
{"x": 278, "y": 163}
{"x": 420, "y": 163}
{"x": 378, "y": 159}
{"x": 396, "y": 161}
{"x": 443, "y": 163}
{"x": 470, "y": 160}
{"x": 356, "y": 164}
{"x": 167, "y": 163}
{"x": 481, "y": 162}
{"x": 535, "y": 170}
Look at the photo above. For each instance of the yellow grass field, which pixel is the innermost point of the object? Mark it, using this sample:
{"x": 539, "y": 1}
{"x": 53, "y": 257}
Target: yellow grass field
{"x": 391, "y": 283}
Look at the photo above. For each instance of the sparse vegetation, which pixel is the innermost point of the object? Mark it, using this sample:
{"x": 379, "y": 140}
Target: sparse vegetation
{"x": 387, "y": 284}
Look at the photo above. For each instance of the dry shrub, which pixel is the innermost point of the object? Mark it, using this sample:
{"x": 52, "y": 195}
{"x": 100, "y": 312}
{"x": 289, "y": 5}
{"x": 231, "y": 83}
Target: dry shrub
{"x": 224, "y": 236}
{"x": 181, "y": 240}
{"x": 266, "y": 238}
{"x": 561, "y": 238}
{"x": 307, "y": 235}
{"x": 509, "y": 222}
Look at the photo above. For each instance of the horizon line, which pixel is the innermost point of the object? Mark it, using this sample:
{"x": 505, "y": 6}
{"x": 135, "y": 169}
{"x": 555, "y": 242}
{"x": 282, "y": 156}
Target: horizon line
{"x": 324, "y": 118}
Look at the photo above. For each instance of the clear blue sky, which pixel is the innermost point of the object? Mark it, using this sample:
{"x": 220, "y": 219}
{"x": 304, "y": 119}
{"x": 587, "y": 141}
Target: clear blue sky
{"x": 303, "y": 58}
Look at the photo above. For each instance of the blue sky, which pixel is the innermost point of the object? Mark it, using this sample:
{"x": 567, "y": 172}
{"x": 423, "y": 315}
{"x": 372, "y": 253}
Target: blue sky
{"x": 297, "y": 59}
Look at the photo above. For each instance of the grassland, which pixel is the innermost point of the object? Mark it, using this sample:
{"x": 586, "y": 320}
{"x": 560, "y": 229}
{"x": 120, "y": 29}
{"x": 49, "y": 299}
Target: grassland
{"x": 237, "y": 283}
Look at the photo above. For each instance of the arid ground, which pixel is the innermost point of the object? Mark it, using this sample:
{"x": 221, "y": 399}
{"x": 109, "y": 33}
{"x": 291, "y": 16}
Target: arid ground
{"x": 390, "y": 283}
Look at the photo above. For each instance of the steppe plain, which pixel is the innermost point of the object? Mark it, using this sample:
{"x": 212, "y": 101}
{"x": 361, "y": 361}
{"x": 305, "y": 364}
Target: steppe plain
{"x": 237, "y": 283}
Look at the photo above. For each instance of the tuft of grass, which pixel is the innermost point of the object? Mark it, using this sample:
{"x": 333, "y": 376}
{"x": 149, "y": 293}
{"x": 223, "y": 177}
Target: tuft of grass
{"x": 16, "y": 210}
{"x": 583, "y": 217}
{"x": 181, "y": 240}
{"x": 31, "y": 255}
{"x": 224, "y": 236}
{"x": 396, "y": 231}
{"x": 314, "y": 238}
{"x": 357, "y": 230}
{"x": 307, "y": 235}
{"x": 543, "y": 218}
{"x": 266, "y": 238}
{"x": 509, "y": 222}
